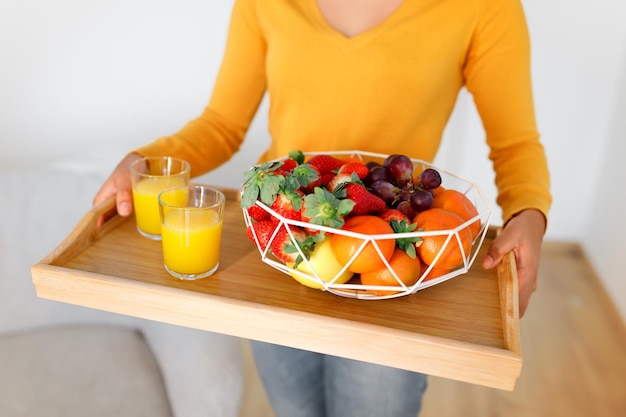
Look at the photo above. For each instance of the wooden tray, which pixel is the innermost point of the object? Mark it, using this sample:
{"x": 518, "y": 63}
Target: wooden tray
{"x": 466, "y": 328}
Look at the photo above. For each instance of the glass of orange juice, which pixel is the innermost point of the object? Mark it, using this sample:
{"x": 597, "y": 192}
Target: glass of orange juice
{"x": 150, "y": 176}
{"x": 191, "y": 230}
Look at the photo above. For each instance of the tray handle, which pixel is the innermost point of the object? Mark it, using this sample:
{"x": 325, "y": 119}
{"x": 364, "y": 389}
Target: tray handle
{"x": 95, "y": 223}
{"x": 509, "y": 301}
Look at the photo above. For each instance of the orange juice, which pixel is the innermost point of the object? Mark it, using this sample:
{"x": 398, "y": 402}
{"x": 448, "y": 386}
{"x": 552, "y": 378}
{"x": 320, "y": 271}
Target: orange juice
{"x": 146, "y": 202}
{"x": 191, "y": 241}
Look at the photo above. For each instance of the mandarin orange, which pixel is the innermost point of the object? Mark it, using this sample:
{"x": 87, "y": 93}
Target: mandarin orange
{"x": 352, "y": 159}
{"x": 437, "y": 219}
{"x": 406, "y": 268}
{"x": 369, "y": 259}
{"x": 433, "y": 273}
{"x": 458, "y": 203}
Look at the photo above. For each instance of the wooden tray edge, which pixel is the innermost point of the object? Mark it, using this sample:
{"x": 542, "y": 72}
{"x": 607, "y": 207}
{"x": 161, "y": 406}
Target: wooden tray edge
{"x": 416, "y": 352}
{"x": 509, "y": 301}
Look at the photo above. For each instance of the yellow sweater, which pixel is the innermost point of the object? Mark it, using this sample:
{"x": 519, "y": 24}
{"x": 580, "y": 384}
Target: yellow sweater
{"x": 389, "y": 90}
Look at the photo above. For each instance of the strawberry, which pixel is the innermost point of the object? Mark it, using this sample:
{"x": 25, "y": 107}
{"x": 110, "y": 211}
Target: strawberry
{"x": 354, "y": 167}
{"x": 323, "y": 208}
{"x": 325, "y": 163}
{"x": 303, "y": 176}
{"x": 365, "y": 202}
{"x": 258, "y": 213}
{"x": 261, "y": 232}
{"x": 392, "y": 214}
{"x": 326, "y": 179}
{"x": 407, "y": 244}
{"x": 295, "y": 159}
{"x": 261, "y": 183}
{"x": 288, "y": 204}
{"x": 317, "y": 182}
{"x": 339, "y": 181}
{"x": 285, "y": 247}
{"x": 287, "y": 166}
{"x": 322, "y": 181}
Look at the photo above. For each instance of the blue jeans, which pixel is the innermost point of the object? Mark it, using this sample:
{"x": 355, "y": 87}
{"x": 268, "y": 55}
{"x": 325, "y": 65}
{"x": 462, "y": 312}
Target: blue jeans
{"x": 299, "y": 383}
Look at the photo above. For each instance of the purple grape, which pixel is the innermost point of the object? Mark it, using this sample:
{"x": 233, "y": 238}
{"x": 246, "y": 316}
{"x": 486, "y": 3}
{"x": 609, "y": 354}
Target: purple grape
{"x": 385, "y": 190}
{"x": 407, "y": 209}
{"x": 375, "y": 174}
{"x": 421, "y": 200}
{"x": 404, "y": 194}
{"x": 372, "y": 164}
{"x": 400, "y": 167}
{"x": 430, "y": 179}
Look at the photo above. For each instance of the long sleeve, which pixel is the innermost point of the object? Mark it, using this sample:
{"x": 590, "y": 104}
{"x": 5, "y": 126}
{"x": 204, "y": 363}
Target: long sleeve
{"x": 497, "y": 74}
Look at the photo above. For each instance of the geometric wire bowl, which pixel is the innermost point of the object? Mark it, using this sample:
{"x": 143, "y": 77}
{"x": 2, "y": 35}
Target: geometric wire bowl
{"x": 354, "y": 288}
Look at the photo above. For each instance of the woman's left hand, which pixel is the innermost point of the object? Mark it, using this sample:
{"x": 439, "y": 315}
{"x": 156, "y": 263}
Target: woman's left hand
{"x": 523, "y": 235}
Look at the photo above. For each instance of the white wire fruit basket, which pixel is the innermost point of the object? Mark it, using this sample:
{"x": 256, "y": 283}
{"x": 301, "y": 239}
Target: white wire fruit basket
{"x": 344, "y": 283}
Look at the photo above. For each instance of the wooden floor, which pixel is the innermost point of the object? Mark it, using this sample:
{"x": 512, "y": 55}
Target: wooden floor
{"x": 574, "y": 349}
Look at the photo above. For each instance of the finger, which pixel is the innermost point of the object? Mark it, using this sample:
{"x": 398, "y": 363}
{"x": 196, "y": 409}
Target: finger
{"x": 523, "y": 305}
{"x": 106, "y": 191}
{"x": 527, "y": 288}
{"x": 124, "y": 201}
{"x": 497, "y": 250}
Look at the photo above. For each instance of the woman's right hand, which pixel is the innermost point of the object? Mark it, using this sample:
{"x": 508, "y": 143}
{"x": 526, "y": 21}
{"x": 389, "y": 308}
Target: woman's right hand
{"x": 119, "y": 184}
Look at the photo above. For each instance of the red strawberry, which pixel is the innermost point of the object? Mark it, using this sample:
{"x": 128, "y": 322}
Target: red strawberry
{"x": 322, "y": 181}
{"x": 325, "y": 163}
{"x": 407, "y": 244}
{"x": 288, "y": 204}
{"x": 258, "y": 213}
{"x": 304, "y": 176}
{"x": 392, "y": 214}
{"x": 366, "y": 202}
{"x": 324, "y": 208}
{"x": 287, "y": 166}
{"x": 308, "y": 189}
{"x": 340, "y": 180}
{"x": 284, "y": 247}
{"x": 326, "y": 179}
{"x": 261, "y": 184}
{"x": 354, "y": 167}
{"x": 261, "y": 232}
{"x": 295, "y": 158}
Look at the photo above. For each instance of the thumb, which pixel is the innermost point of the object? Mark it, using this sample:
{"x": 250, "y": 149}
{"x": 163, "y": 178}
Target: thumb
{"x": 497, "y": 250}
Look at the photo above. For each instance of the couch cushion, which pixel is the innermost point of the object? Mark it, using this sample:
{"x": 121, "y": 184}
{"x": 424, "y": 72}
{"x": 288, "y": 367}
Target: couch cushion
{"x": 80, "y": 370}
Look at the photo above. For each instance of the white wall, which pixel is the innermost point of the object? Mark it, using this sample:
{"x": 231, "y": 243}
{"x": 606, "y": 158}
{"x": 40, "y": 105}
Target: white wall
{"x": 75, "y": 75}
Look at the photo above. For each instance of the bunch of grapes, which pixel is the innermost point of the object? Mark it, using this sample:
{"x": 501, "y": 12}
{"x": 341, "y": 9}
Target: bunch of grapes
{"x": 393, "y": 181}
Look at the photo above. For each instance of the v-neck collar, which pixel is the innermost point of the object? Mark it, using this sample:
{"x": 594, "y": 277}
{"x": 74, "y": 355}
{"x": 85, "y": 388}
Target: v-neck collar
{"x": 382, "y": 26}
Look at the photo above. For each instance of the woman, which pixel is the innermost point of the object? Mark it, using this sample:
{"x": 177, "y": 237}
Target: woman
{"x": 381, "y": 76}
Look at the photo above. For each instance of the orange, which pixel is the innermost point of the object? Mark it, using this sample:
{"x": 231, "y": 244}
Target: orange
{"x": 437, "y": 190}
{"x": 458, "y": 203}
{"x": 406, "y": 268}
{"x": 344, "y": 247}
{"x": 439, "y": 219}
{"x": 351, "y": 159}
{"x": 434, "y": 272}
